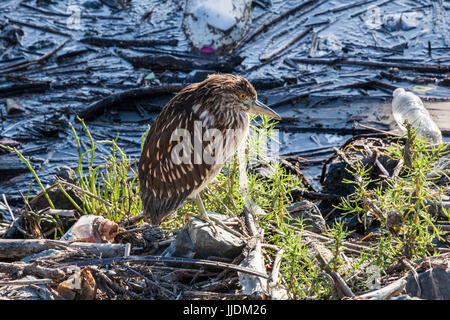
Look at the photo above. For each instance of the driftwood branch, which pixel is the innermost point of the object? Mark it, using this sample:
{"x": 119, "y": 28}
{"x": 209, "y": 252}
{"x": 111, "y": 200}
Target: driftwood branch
{"x": 252, "y": 285}
{"x": 342, "y": 287}
{"x": 271, "y": 22}
{"x": 434, "y": 68}
{"x": 108, "y": 42}
{"x": 385, "y": 292}
{"x": 155, "y": 259}
{"x": 25, "y": 269}
{"x": 275, "y": 291}
{"x": 98, "y": 108}
{"x": 20, "y": 248}
{"x": 25, "y": 64}
{"x": 25, "y": 282}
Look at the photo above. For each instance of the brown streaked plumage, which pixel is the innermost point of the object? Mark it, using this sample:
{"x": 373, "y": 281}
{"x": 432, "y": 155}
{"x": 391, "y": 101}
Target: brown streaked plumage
{"x": 220, "y": 102}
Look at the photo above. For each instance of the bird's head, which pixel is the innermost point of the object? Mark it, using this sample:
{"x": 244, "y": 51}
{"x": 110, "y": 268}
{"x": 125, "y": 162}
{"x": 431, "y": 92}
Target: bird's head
{"x": 239, "y": 93}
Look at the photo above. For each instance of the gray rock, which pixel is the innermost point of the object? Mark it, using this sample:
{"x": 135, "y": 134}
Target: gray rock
{"x": 434, "y": 284}
{"x": 309, "y": 213}
{"x": 402, "y": 21}
{"x": 67, "y": 174}
{"x": 181, "y": 247}
{"x": 10, "y": 166}
{"x": 58, "y": 198}
{"x": 198, "y": 240}
{"x": 337, "y": 170}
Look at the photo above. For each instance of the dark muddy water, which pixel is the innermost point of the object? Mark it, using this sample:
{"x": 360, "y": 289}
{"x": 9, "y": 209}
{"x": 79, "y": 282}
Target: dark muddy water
{"x": 330, "y": 97}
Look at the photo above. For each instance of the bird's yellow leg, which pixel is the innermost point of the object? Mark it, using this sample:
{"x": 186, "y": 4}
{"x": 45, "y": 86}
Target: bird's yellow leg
{"x": 203, "y": 213}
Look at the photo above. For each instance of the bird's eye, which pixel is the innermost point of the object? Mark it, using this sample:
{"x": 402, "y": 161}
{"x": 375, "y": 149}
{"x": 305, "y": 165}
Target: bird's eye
{"x": 243, "y": 96}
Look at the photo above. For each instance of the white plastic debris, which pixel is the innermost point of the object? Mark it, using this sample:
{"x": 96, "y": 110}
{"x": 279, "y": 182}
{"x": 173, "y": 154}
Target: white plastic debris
{"x": 402, "y": 21}
{"x": 375, "y": 18}
{"x": 328, "y": 44}
{"x": 91, "y": 228}
{"x": 216, "y": 24}
{"x": 218, "y": 14}
{"x": 408, "y": 106}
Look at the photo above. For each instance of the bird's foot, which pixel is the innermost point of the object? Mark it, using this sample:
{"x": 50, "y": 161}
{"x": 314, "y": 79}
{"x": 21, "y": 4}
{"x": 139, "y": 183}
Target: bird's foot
{"x": 210, "y": 222}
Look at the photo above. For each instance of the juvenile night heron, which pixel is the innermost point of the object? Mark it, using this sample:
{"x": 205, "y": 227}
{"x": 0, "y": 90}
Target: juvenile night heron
{"x": 192, "y": 137}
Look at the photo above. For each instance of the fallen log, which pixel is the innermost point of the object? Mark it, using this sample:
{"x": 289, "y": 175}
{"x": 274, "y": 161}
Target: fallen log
{"x": 251, "y": 285}
{"x": 24, "y": 269}
{"x": 283, "y": 48}
{"x": 434, "y": 68}
{"x": 25, "y": 64}
{"x": 156, "y": 259}
{"x": 108, "y": 42}
{"x": 98, "y": 108}
{"x": 271, "y": 22}
{"x": 165, "y": 62}
{"x": 20, "y": 248}
{"x": 385, "y": 292}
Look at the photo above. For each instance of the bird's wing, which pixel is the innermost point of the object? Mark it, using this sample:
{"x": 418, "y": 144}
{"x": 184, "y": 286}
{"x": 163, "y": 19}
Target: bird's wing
{"x": 165, "y": 179}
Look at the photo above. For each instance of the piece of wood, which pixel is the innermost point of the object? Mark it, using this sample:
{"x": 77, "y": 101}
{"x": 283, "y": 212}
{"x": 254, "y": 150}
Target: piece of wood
{"x": 25, "y": 282}
{"x": 121, "y": 43}
{"x": 342, "y": 287}
{"x": 271, "y": 22}
{"x": 217, "y": 295}
{"x": 20, "y": 248}
{"x": 434, "y": 68}
{"x": 251, "y": 285}
{"x": 104, "y": 250}
{"x": 98, "y": 108}
{"x": 275, "y": 291}
{"x": 25, "y": 64}
{"x": 38, "y": 27}
{"x": 60, "y": 212}
{"x": 385, "y": 292}
{"x": 285, "y": 47}
{"x": 154, "y": 259}
{"x": 24, "y": 269}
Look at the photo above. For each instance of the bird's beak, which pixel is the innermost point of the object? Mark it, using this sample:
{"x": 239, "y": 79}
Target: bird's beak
{"x": 257, "y": 107}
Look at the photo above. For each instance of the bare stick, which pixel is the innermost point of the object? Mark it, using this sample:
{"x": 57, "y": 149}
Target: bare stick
{"x": 153, "y": 283}
{"x": 43, "y": 28}
{"x": 24, "y": 269}
{"x": 267, "y": 24}
{"x": 25, "y": 282}
{"x": 114, "y": 286}
{"x": 435, "y": 68}
{"x": 340, "y": 283}
{"x": 26, "y": 64}
{"x": 146, "y": 259}
{"x": 106, "y": 203}
{"x": 97, "y": 108}
{"x": 274, "y": 276}
{"x": 9, "y": 209}
{"x": 345, "y": 7}
{"x": 287, "y": 45}
{"x": 384, "y": 292}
